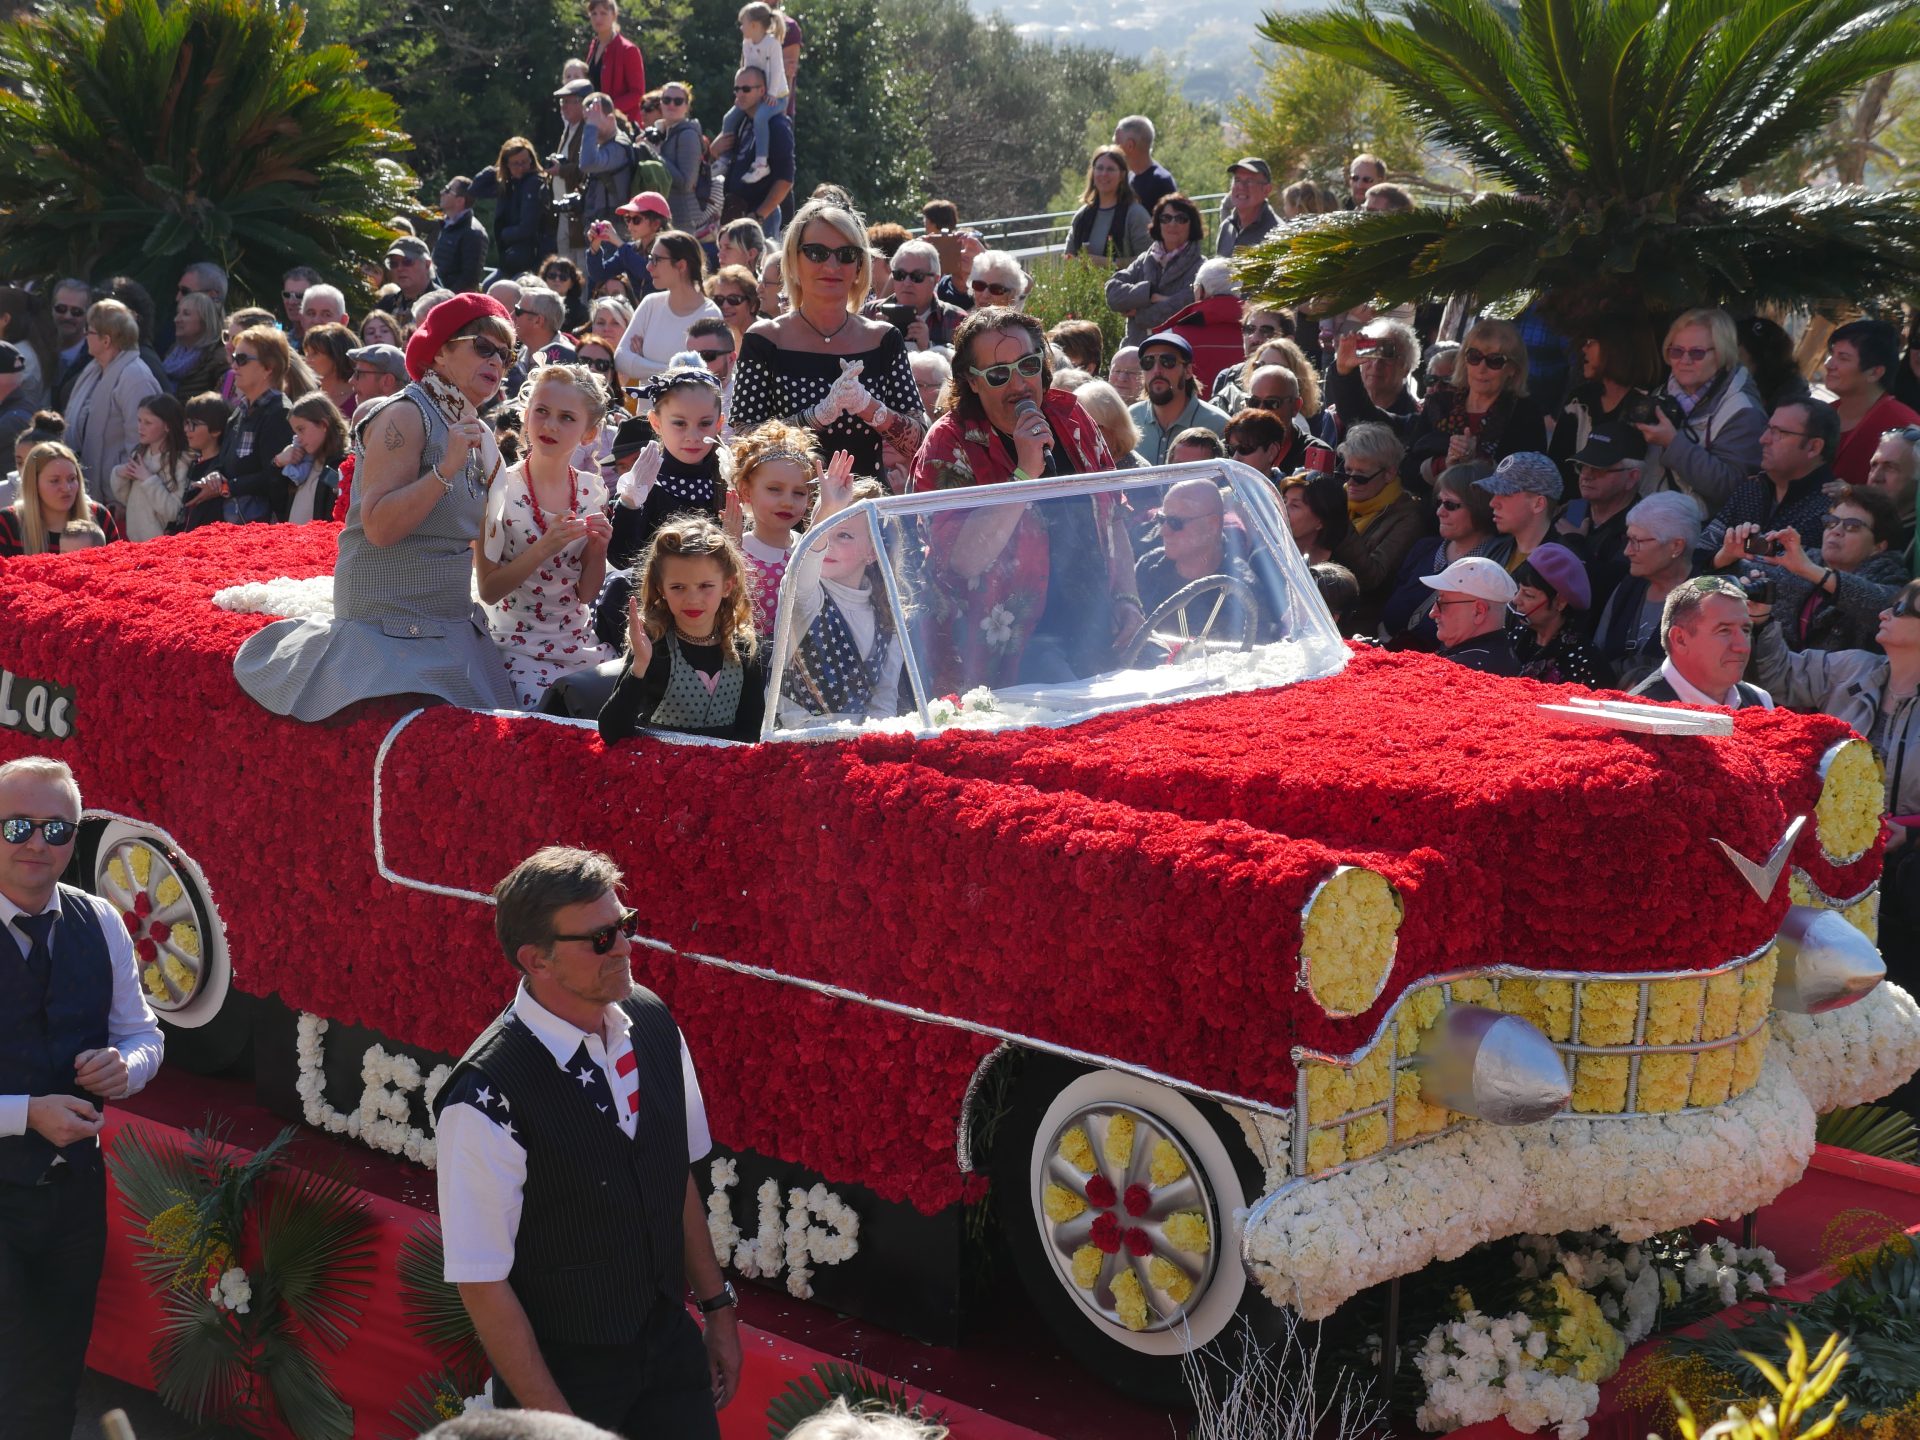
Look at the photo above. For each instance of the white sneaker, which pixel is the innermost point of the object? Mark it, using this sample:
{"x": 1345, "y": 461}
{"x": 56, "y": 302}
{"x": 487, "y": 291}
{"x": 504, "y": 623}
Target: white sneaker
{"x": 759, "y": 172}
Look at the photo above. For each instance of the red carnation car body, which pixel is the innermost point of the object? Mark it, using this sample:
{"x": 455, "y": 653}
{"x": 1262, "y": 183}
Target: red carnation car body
{"x": 854, "y": 932}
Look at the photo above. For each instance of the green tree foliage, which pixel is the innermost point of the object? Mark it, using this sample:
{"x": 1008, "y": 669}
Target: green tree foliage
{"x": 1622, "y": 129}
{"x": 1312, "y": 115}
{"x": 1188, "y": 138}
{"x": 139, "y": 138}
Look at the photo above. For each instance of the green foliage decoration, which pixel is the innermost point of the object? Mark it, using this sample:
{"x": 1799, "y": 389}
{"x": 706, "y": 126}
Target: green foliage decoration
{"x": 864, "y": 1391}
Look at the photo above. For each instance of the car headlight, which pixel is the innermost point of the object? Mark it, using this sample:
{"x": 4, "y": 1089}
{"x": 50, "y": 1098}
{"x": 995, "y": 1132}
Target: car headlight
{"x": 1852, "y": 796}
{"x": 1348, "y": 935}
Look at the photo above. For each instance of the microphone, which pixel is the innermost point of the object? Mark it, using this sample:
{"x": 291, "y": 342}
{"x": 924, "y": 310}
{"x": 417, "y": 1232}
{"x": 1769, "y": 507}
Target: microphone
{"x": 1025, "y": 405}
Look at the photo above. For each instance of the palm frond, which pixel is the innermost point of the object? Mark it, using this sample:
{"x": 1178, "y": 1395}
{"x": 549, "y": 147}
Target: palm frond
{"x": 864, "y": 1391}
{"x": 430, "y": 1401}
{"x": 316, "y": 1248}
{"x": 432, "y": 1306}
{"x": 197, "y": 1366}
{"x": 305, "y": 1398}
{"x": 1876, "y": 1130}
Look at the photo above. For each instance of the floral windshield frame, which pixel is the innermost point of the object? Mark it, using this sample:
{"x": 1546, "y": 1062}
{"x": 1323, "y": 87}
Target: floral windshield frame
{"x": 1298, "y": 639}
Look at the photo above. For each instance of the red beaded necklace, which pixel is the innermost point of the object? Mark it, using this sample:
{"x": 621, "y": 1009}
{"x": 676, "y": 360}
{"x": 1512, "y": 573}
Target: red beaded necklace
{"x": 533, "y": 500}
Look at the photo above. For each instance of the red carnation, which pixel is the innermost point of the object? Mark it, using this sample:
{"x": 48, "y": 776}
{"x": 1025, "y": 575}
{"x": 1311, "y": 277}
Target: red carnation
{"x": 142, "y": 905}
{"x": 1138, "y": 1241}
{"x": 132, "y": 921}
{"x": 160, "y": 930}
{"x": 1138, "y": 1200}
{"x": 1100, "y": 1193}
{"x": 1106, "y": 1233}
{"x": 146, "y": 949}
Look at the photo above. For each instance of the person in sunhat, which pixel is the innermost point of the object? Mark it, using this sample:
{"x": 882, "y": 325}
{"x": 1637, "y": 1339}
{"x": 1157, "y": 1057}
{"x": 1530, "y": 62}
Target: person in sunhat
{"x": 404, "y": 620}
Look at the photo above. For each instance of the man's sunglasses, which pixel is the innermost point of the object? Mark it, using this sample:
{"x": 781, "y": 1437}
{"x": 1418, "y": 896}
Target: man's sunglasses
{"x": 707, "y": 357}
{"x": 75, "y": 312}
{"x": 1177, "y": 523}
{"x": 602, "y": 939}
{"x": 1241, "y": 447}
{"x": 1268, "y": 330}
{"x": 1165, "y": 360}
{"x": 292, "y": 294}
{"x": 242, "y": 359}
{"x": 998, "y": 375}
{"x": 820, "y": 254}
{"x": 1492, "y": 359}
{"x": 17, "y": 828}
{"x": 913, "y": 277}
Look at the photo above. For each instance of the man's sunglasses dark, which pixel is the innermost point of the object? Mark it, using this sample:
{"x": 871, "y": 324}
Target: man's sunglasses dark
{"x": 17, "y": 828}
{"x": 602, "y": 939}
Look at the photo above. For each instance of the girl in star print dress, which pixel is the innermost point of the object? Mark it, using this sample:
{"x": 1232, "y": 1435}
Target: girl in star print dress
{"x": 848, "y": 660}
{"x": 543, "y": 548}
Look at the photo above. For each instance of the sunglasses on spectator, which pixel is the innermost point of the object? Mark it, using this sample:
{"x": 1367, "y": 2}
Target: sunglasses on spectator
{"x": 1841, "y": 522}
{"x": 987, "y": 287}
{"x": 998, "y": 375}
{"x": 913, "y": 277}
{"x": 17, "y": 828}
{"x": 183, "y": 290}
{"x": 1165, "y": 360}
{"x": 820, "y": 254}
{"x": 76, "y": 311}
{"x": 602, "y": 939}
{"x": 556, "y": 275}
{"x": 1272, "y": 402}
{"x": 709, "y": 356}
{"x": 599, "y": 367}
{"x": 522, "y": 310}
{"x": 241, "y": 359}
{"x": 292, "y": 294}
{"x": 1359, "y": 477}
{"x": 1242, "y": 447}
{"x": 482, "y": 347}
{"x": 1449, "y": 505}
{"x": 1905, "y": 606}
{"x": 745, "y": 89}
{"x": 1693, "y": 353}
{"x": 673, "y": 99}
{"x": 1492, "y": 359}
{"x": 1176, "y": 523}
{"x": 1259, "y": 329}
{"x": 727, "y": 302}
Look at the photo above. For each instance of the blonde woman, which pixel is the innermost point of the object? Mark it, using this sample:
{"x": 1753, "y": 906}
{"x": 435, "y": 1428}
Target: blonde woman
{"x": 1487, "y": 415}
{"x": 52, "y": 496}
{"x": 1101, "y": 401}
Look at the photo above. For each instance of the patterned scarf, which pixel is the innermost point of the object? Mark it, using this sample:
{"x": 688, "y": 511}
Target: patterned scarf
{"x": 454, "y": 407}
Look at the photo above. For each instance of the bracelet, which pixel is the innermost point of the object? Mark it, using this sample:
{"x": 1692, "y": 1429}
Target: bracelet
{"x": 881, "y": 415}
{"x": 1127, "y": 600}
{"x": 445, "y": 483}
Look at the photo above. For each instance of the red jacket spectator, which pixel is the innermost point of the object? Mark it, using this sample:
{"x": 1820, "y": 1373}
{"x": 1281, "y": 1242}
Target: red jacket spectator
{"x": 622, "y": 73}
{"x": 1212, "y": 327}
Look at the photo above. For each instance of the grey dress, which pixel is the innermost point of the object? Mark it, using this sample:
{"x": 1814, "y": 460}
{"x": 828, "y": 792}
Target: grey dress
{"x": 405, "y": 621}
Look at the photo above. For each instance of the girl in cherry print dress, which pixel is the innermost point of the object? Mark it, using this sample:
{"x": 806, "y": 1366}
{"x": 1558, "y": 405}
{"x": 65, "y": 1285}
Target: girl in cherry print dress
{"x": 543, "y": 549}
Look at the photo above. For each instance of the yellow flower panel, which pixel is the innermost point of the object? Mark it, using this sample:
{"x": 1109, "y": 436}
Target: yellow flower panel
{"x": 1118, "y": 1144}
{"x": 1609, "y": 1009}
{"x": 1366, "y": 1136}
{"x": 1665, "y": 1082}
{"x": 186, "y": 938}
{"x": 1187, "y": 1230}
{"x": 1419, "y": 1009}
{"x": 1756, "y": 989}
{"x": 1329, "y": 1091}
{"x": 117, "y": 872}
{"x": 1325, "y": 1149}
{"x": 1847, "y": 816}
{"x": 1476, "y": 991}
{"x": 1077, "y": 1150}
{"x": 1413, "y": 1116}
{"x": 141, "y": 859}
{"x": 1086, "y": 1266}
{"x": 1348, "y": 939}
{"x": 177, "y": 973}
{"x": 1747, "y": 1056}
{"x": 1722, "y": 1013}
{"x": 1164, "y": 1166}
{"x": 1129, "y": 1300}
{"x": 1712, "y": 1076}
{"x": 1061, "y": 1204}
{"x": 1547, "y": 1004}
{"x": 1600, "y": 1083}
{"x": 156, "y": 987}
{"x": 1373, "y": 1077}
{"x": 1673, "y": 1011}
{"x": 168, "y": 892}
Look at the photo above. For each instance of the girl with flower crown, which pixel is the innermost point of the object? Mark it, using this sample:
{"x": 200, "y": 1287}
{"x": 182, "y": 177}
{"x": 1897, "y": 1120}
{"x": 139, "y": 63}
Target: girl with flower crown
{"x": 774, "y": 468}
{"x": 543, "y": 551}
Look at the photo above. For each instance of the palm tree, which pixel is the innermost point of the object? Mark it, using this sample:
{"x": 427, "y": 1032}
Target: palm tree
{"x": 140, "y": 136}
{"x": 1621, "y": 129}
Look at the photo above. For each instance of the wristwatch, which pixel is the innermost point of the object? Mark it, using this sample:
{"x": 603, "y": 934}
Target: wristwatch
{"x": 727, "y": 1299}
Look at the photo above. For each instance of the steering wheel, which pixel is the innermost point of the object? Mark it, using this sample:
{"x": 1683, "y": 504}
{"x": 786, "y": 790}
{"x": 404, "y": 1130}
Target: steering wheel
{"x": 1175, "y": 605}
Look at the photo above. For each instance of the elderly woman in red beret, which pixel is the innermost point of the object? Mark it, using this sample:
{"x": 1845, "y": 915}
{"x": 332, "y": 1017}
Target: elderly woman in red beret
{"x": 404, "y": 621}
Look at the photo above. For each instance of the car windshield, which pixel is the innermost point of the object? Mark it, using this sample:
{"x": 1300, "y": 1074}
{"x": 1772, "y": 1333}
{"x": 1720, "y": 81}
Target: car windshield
{"x": 1043, "y": 602}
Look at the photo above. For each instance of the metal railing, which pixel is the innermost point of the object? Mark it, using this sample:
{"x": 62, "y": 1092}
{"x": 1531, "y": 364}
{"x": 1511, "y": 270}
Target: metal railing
{"x": 1029, "y": 237}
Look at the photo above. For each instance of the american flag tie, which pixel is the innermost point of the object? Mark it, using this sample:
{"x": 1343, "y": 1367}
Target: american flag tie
{"x": 624, "y": 1068}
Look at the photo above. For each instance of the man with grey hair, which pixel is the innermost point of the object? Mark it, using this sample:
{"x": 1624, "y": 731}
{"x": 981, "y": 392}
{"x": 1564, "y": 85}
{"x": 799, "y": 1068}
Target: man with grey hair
{"x": 322, "y": 305}
{"x": 1151, "y": 180}
{"x": 539, "y": 320}
{"x": 567, "y": 1136}
{"x": 203, "y": 277}
{"x": 1707, "y": 629}
{"x": 1895, "y": 468}
{"x": 75, "y": 1031}
{"x": 915, "y": 270}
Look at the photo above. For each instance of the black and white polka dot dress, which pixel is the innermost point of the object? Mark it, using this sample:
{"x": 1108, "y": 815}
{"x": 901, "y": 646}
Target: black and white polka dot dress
{"x": 774, "y": 384}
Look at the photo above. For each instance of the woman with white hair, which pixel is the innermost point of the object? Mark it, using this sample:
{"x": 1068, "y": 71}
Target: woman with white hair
{"x": 1387, "y": 520}
{"x": 1211, "y": 324}
{"x": 1716, "y": 443}
{"x": 103, "y": 413}
{"x": 823, "y": 365}
{"x": 997, "y": 278}
{"x": 1662, "y": 533}
{"x": 1101, "y": 401}
{"x": 1368, "y": 382}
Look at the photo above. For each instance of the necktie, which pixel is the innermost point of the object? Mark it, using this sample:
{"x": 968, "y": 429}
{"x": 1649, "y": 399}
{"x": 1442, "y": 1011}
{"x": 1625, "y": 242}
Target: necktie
{"x": 37, "y": 929}
{"x": 624, "y": 1067}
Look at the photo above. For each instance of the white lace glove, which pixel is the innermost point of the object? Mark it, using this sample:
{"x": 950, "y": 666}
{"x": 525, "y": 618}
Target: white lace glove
{"x": 847, "y": 396}
{"x": 639, "y": 479}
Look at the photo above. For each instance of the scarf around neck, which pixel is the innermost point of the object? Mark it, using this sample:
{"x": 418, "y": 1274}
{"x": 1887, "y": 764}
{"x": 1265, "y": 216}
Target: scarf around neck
{"x": 1364, "y": 512}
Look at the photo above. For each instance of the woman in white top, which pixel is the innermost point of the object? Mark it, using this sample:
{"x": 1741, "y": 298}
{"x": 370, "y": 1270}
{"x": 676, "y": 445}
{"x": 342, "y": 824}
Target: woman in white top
{"x": 658, "y": 330}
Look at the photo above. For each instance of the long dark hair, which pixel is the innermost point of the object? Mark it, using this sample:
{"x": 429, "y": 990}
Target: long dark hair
{"x": 172, "y": 414}
{"x": 1124, "y": 195}
{"x": 26, "y": 320}
{"x": 958, "y": 397}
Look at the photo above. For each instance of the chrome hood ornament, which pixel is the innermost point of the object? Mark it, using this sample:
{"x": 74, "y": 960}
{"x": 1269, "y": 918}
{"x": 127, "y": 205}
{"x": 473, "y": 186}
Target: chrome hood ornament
{"x": 1766, "y": 878}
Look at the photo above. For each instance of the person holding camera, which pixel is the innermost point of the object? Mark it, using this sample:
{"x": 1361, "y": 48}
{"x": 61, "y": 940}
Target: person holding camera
{"x": 1705, "y": 433}
{"x": 923, "y": 319}
{"x": 645, "y": 215}
{"x": 1830, "y": 600}
{"x": 1786, "y": 492}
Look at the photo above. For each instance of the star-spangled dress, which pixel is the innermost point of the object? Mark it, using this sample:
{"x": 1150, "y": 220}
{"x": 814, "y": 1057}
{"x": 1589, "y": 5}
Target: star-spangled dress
{"x": 543, "y": 628}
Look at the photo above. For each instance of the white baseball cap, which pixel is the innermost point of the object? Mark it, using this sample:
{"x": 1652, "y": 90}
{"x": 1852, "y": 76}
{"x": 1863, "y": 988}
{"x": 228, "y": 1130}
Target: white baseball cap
{"x": 1477, "y": 576}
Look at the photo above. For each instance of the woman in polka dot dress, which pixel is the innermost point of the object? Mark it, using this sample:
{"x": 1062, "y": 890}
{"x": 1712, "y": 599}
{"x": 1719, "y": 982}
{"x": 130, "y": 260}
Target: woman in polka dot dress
{"x": 823, "y": 364}
{"x": 543, "y": 550}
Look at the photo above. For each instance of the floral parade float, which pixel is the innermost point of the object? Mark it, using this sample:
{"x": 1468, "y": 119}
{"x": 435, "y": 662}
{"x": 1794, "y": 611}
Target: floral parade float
{"x": 1253, "y": 972}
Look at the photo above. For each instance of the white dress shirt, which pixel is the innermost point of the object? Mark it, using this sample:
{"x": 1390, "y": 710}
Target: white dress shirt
{"x": 131, "y": 1028}
{"x": 482, "y": 1166}
{"x": 1691, "y": 694}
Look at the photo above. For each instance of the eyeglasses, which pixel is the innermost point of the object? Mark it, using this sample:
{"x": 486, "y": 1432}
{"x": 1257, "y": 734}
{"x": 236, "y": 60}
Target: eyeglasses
{"x": 707, "y": 357}
{"x": 1272, "y": 402}
{"x": 1638, "y": 542}
{"x": 599, "y": 367}
{"x": 1358, "y": 477}
{"x": 1841, "y": 522}
{"x": 602, "y": 939}
{"x": 74, "y": 312}
{"x": 998, "y": 375}
{"x": 482, "y": 347}
{"x": 1692, "y": 353}
{"x": 1259, "y": 329}
{"x": 183, "y": 290}
{"x": 241, "y": 360}
{"x": 292, "y": 294}
{"x": 1445, "y": 604}
{"x": 1493, "y": 360}
{"x": 1777, "y": 432}
{"x": 673, "y": 99}
{"x": 1165, "y": 360}
{"x": 556, "y": 275}
{"x": 820, "y": 254}
{"x": 522, "y": 310}
{"x": 987, "y": 287}
{"x": 17, "y": 828}
{"x": 1241, "y": 447}
{"x": 1176, "y": 523}
{"x": 913, "y": 277}
{"x": 745, "y": 89}
{"x": 727, "y": 302}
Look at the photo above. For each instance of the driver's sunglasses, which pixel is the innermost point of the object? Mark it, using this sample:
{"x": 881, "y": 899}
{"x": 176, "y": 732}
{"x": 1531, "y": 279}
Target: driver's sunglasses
{"x": 602, "y": 939}
{"x": 820, "y": 254}
{"x": 17, "y": 829}
{"x": 1905, "y": 606}
{"x": 998, "y": 375}
{"x": 1177, "y": 523}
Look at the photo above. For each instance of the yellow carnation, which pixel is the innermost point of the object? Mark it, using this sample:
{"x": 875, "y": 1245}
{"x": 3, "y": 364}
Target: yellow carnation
{"x": 1164, "y": 1166}
{"x": 1864, "y": 915}
{"x": 1366, "y": 1135}
{"x": 1413, "y": 1116}
{"x": 1547, "y": 1004}
{"x": 1372, "y": 1078}
{"x": 1609, "y": 1010}
{"x": 1119, "y": 1142}
{"x": 1712, "y": 1076}
{"x": 1747, "y": 1056}
{"x": 141, "y": 859}
{"x": 1169, "y": 1279}
{"x": 1673, "y": 1011}
{"x": 1347, "y": 942}
{"x": 117, "y": 872}
{"x": 1129, "y": 1300}
{"x": 156, "y": 987}
{"x": 1418, "y": 1012}
{"x": 1756, "y": 989}
{"x": 1325, "y": 1149}
{"x": 1476, "y": 991}
{"x": 186, "y": 938}
{"x": 1329, "y": 1090}
{"x": 1665, "y": 1081}
{"x": 178, "y": 973}
{"x": 1187, "y": 1230}
{"x": 1722, "y": 1012}
{"x": 1600, "y": 1083}
{"x": 1061, "y": 1204}
{"x": 1076, "y": 1151}
{"x": 1086, "y": 1266}
{"x": 1847, "y": 816}
{"x": 168, "y": 892}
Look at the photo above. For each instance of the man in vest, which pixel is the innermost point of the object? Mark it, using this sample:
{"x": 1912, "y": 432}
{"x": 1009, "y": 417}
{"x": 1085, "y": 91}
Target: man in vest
{"x": 566, "y": 1135}
{"x": 75, "y": 1031}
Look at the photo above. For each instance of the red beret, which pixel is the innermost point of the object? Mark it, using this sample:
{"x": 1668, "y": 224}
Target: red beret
{"x": 443, "y": 322}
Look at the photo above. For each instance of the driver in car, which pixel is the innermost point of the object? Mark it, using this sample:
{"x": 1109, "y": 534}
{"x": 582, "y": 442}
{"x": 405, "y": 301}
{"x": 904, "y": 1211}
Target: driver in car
{"x": 1198, "y": 541}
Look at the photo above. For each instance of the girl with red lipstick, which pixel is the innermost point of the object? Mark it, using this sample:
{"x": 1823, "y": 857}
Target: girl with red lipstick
{"x": 775, "y": 466}
{"x": 543, "y": 552}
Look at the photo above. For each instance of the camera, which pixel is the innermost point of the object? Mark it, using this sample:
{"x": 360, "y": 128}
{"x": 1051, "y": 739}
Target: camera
{"x": 1758, "y": 589}
{"x": 572, "y": 204}
{"x": 898, "y": 316}
{"x": 1761, "y": 546}
{"x": 1643, "y": 409}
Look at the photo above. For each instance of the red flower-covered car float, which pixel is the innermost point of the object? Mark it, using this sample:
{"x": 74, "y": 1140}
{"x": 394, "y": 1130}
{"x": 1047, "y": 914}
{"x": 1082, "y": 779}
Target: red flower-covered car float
{"x": 1250, "y": 966}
